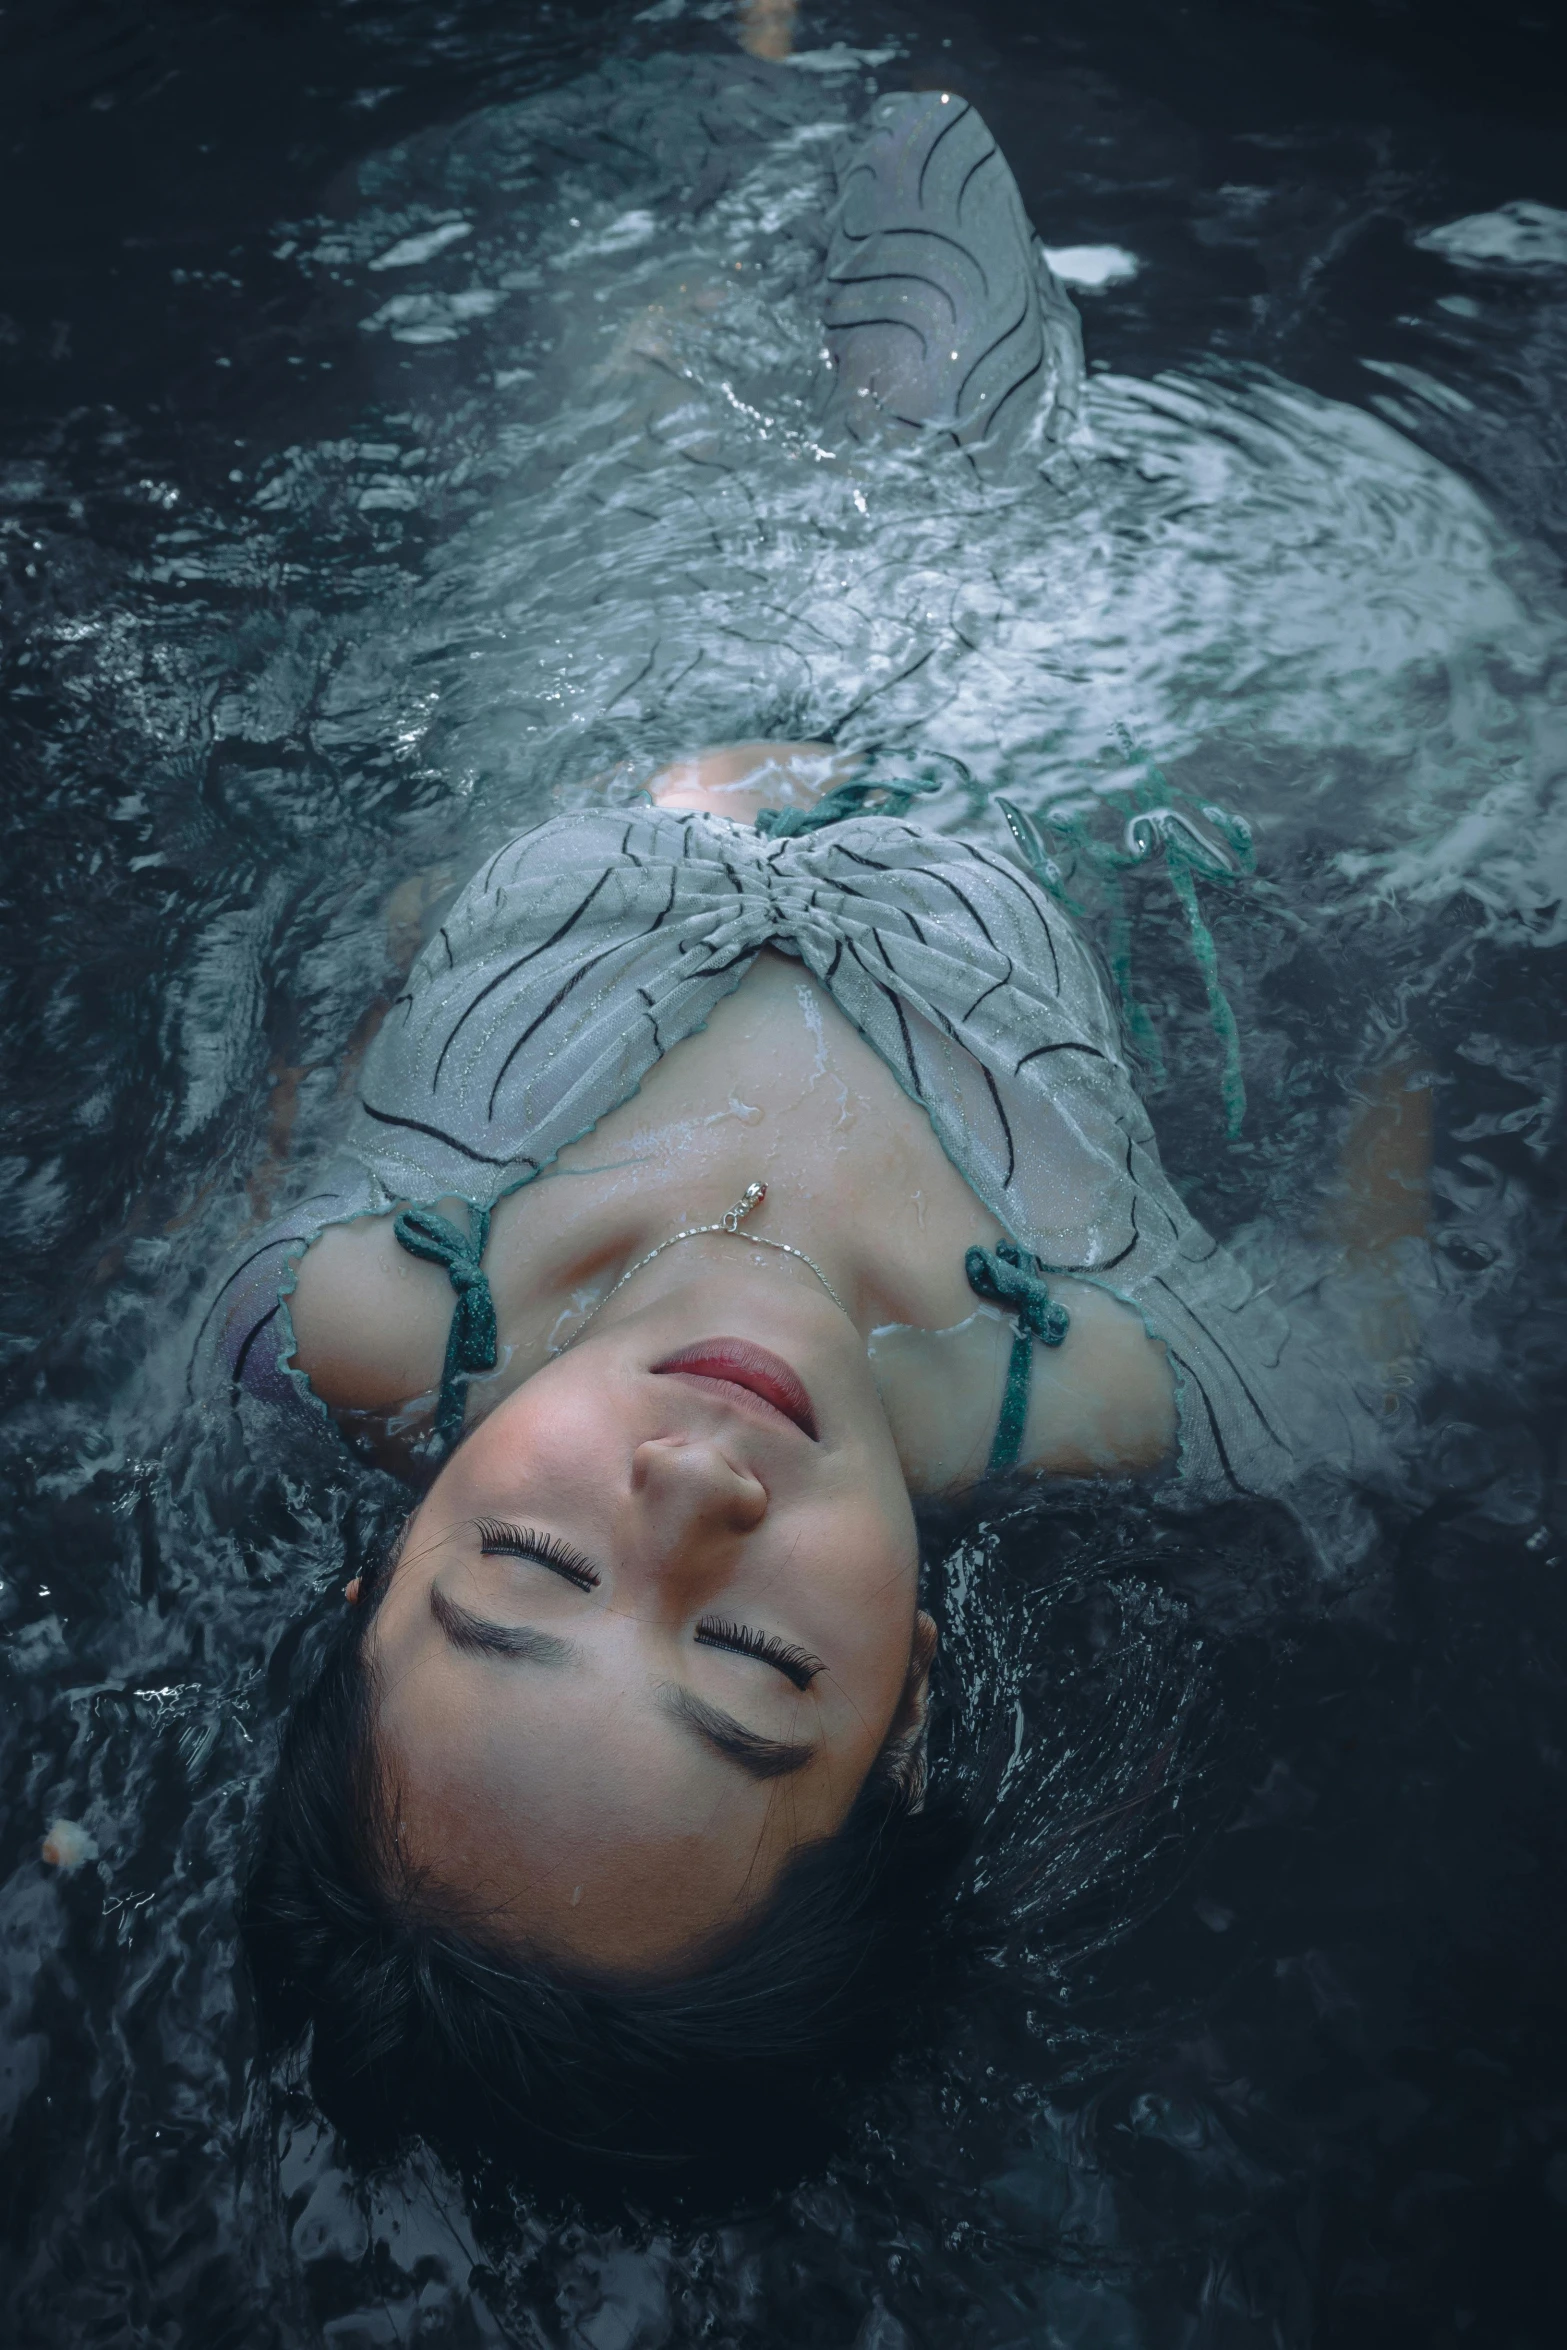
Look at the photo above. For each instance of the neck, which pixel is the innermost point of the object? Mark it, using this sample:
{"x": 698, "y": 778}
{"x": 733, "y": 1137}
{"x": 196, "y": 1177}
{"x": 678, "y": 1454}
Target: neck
{"x": 739, "y": 1260}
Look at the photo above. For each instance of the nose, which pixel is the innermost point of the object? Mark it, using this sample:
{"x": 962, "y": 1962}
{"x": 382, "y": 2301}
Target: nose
{"x": 693, "y": 1505}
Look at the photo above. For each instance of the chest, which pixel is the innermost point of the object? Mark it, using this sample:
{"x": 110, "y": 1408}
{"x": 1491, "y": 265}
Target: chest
{"x": 777, "y": 1088}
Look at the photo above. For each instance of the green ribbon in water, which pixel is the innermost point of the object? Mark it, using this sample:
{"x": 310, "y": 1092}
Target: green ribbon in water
{"x": 1004, "y": 1276}
{"x": 472, "y": 1343}
{"x": 1197, "y": 839}
{"x": 844, "y": 801}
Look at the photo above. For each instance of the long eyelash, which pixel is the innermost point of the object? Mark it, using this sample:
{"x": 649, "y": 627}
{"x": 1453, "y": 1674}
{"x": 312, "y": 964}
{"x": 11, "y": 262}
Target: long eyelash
{"x": 797, "y": 1664}
{"x": 525, "y": 1542}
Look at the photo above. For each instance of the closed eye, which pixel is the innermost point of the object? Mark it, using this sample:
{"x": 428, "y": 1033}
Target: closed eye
{"x": 796, "y": 1664}
{"x": 526, "y": 1542}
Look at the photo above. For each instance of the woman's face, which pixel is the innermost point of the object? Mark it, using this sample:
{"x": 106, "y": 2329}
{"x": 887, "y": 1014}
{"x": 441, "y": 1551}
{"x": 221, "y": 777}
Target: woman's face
{"x": 651, "y": 1626}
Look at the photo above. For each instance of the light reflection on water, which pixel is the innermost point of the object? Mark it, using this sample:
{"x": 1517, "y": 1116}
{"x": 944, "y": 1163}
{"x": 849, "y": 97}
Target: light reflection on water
{"x": 584, "y": 515}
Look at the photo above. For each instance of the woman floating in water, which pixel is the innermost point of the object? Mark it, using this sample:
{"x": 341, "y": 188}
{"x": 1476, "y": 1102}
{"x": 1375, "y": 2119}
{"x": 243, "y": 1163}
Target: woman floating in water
{"x": 734, "y": 1171}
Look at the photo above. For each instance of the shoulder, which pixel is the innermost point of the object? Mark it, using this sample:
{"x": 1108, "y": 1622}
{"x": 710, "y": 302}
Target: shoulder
{"x": 1102, "y": 1403}
{"x": 370, "y": 1321}
{"x": 243, "y": 1335}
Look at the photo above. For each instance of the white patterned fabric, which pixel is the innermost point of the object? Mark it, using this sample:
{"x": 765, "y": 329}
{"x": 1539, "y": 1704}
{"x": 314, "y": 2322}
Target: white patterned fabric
{"x": 587, "y": 949}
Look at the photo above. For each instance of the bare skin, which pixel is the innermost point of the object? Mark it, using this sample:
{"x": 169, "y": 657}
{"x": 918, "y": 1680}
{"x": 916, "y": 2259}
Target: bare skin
{"x": 767, "y": 27}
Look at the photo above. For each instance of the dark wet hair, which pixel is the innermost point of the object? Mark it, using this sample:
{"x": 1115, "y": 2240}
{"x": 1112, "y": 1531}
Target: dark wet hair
{"x": 1127, "y": 1642}
{"x": 417, "y": 2026}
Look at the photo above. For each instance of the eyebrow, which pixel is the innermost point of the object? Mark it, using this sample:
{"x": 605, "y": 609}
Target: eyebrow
{"x": 747, "y": 1750}
{"x": 478, "y": 1636}
{"x": 759, "y": 1757}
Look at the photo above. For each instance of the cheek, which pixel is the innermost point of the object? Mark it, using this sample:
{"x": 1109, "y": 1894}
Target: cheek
{"x": 866, "y": 1586}
{"x": 550, "y": 1430}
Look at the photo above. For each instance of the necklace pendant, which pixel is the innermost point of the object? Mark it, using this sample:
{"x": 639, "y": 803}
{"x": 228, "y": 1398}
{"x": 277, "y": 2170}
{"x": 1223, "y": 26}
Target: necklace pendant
{"x": 753, "y": 1197}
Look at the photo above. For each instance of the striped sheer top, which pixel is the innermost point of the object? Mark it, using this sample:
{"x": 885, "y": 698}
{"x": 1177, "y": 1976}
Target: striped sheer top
{"x": 588, "y": 948}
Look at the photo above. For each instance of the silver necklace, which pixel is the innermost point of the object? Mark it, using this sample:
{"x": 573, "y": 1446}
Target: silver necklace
{"x": 730, "y": 1222}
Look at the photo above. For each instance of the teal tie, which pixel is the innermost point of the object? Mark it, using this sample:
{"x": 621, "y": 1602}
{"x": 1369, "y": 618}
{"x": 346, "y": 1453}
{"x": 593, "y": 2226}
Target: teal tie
{"x": 472, "y": 1343}
{"x": 1004, "y": 1276}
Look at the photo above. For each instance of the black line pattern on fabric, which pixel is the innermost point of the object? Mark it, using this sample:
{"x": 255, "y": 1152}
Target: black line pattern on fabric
{"x": 908, "y": 1041}
{"x": 973, "y": 912}
{"x": 988, "y": 991}
{"x": 1137, "y": 1191}
{"x": 1005, "y": 872}
{"x": 242, "y": 1358}
{"x": 1225, "y": 1462}
{"x": 451, "y": 959}
{"x": 280, "y": 1240}
{"x": 1040, "y": 1050}
{"x": 939, "y": 236}
{"x": 881, "y": 987}
{"x": 1005, "y": 336}
{"x": 657, "y": 922}
{"x": 1019, "y": 384}
{"x": 846, "y": 889}
{"x": 1109, "y": 1264}
{"x": 908, "y": 327}
{"x": 438, "y": 1134}
{"x": 960, "y": 113}
{"x": 968, "y": 175}
{"x": 1006, "y": 1127}
{"x": 513, "y": 968}
{"x": 1220, "y": 1348}
{"x": 616, "y": 946}
{"x": 890, "y": 277}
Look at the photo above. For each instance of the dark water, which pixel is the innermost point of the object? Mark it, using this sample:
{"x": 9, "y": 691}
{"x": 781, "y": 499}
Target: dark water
{"x": 407, "y": 416}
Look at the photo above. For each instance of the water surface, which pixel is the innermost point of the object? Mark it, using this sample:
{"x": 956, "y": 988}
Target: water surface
{"x": 412, "y": 424}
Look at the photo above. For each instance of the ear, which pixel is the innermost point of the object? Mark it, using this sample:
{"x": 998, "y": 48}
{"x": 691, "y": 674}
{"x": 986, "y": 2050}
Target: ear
{"x": 903, "y": 1755}
{"x": 351, "y": 1590}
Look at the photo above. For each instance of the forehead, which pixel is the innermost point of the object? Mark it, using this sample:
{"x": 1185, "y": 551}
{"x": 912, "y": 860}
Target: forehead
{"x": 592, "y": 1829}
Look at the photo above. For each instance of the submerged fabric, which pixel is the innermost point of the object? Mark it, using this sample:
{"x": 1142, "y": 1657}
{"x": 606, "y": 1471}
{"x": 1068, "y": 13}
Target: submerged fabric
{"x": 587, "y": 949}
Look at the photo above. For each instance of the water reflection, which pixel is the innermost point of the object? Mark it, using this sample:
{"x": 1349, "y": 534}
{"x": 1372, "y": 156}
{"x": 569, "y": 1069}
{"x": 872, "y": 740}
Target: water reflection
{"x": 767, "y": 27}
{"x": 582, "y": 518}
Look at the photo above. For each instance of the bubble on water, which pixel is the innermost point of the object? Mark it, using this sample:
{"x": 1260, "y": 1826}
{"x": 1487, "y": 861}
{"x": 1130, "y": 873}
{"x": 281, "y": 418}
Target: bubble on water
{"x": 68, "y": 1845}
{"x": 1092, "y": 267}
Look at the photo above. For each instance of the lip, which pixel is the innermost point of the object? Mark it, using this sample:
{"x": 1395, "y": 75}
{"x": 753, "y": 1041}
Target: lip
{"x": 735, "y": 1362}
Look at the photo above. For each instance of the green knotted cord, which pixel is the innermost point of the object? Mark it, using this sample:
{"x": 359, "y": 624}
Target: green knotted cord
{"x": 1004, "y": 1276}
{"x": 472, "y": 1343}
